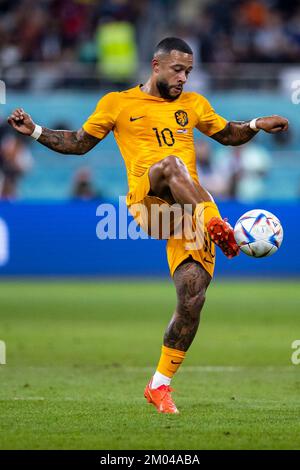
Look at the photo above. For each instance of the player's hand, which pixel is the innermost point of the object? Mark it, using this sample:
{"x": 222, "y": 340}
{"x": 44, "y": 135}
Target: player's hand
{"x": 272, "y": 124}
{"x": 21, "y": 122}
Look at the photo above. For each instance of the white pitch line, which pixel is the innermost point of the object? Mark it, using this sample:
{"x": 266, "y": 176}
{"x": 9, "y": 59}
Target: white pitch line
{"x": 28, "y": 398}
{"x": 184, "y": 368}
{"x": 215, "y": 368}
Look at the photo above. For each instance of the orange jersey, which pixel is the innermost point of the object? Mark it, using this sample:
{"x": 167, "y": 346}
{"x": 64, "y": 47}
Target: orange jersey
{"x": 148, "y": 129}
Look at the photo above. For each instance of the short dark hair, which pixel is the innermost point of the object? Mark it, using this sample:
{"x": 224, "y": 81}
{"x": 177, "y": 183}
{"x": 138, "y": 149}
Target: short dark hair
{"x": 169, "y": 44}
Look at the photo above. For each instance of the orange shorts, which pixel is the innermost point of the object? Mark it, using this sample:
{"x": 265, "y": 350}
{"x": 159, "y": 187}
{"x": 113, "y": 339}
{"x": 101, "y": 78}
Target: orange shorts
{"x": 178, "y": 249}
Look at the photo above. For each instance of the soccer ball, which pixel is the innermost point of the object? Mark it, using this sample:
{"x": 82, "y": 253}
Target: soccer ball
{"x": 258, "y": 233}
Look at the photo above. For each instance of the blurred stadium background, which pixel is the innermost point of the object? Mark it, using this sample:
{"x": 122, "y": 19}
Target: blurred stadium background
{"x": 57, "y": 58}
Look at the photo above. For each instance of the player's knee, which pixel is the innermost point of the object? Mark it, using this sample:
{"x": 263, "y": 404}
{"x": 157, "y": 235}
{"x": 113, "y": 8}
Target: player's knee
{"x": 172, "y": 166}
{"x": 192, "y": 303}
{"x": 191, "y": 281}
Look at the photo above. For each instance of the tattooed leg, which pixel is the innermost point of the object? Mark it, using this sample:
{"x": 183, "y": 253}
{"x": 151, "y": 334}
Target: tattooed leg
{"x": 191, "y": 281}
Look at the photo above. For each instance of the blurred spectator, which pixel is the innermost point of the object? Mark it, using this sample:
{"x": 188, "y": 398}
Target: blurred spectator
{"x": 83, "y": 188}
{"x": 271, "y": 42}
{"x": 209, "y": 176}
{"x": 116, "y": 51}
{"x": 244, "y": 168}
{"x": 15, "y": 161}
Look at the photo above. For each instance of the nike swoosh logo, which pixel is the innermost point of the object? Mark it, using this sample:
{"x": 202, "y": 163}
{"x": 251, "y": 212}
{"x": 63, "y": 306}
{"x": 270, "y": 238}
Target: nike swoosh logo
{"x": 135, "y": 118}
{"x": 173, "y": 362}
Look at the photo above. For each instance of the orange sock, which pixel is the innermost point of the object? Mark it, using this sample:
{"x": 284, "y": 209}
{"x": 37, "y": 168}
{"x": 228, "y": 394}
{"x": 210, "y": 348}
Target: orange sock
{"x": 206, "y": 211}
{"x": 170, "y": 361}
{"x": 196, "y": 233}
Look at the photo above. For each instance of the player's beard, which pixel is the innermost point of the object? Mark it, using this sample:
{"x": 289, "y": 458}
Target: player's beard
{"x": 164, "y": 90}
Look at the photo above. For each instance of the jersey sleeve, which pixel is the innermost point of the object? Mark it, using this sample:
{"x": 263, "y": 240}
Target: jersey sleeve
{"x": 209, "y": 122}
{"x": 102, "y": 121}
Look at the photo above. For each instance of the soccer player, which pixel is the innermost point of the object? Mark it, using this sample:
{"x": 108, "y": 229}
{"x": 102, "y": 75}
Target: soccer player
{"x": 153, "y": 125}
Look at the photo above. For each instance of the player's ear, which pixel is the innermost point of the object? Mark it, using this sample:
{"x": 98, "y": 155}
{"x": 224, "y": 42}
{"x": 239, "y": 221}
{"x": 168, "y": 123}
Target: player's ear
{"x": 155, "y": 64}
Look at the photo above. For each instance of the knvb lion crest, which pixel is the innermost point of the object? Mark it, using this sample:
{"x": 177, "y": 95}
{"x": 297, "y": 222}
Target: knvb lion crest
{"x": 181, "y": 118}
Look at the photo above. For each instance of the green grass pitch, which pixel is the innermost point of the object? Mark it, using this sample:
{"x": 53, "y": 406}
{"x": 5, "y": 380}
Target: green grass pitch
{"x": 79, "y": 355}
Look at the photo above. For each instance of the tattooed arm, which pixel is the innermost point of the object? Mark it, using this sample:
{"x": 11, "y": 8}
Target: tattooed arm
{"x": 239, "y": 132}
{"x": 66, "y": 142}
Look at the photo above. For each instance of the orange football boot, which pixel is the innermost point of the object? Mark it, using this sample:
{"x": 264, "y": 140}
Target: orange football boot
{"x": 161, "y": 398}
{"x": 221, "y": 233}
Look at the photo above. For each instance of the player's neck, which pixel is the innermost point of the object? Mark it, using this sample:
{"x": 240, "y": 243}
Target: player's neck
{"x": 151, "y": 89}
